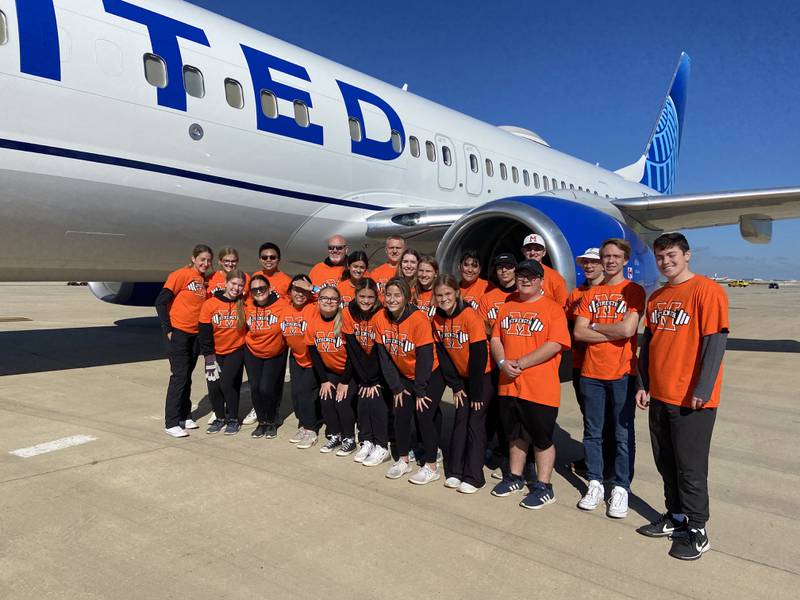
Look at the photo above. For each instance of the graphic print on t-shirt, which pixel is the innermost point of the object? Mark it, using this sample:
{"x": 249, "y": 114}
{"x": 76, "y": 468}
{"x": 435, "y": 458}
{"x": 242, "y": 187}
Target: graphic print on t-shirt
{"x": 668, "y": 316}
{"x": 397, "y": 343}
{"x": 607, "y": 307}
{"x": 522, "y": 324}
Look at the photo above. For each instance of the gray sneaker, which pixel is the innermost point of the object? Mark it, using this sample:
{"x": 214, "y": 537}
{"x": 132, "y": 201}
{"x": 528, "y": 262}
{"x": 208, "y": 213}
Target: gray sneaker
{"x": 424, "y": 475}
{"x": 298, "y": 435}
{"x": 309, "y": 439}
{"x": 398, "y": 469}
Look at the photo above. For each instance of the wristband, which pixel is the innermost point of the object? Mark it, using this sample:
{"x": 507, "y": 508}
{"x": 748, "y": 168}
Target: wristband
{"x": 593, "y": 326}
{"x": 500, "y": 362}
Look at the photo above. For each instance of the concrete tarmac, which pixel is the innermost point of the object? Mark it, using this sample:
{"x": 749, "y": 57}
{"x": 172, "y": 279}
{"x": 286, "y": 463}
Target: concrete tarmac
{"x": 136, "y": 514}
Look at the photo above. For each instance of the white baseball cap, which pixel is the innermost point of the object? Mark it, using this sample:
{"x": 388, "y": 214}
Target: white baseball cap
{"x": 534, "y": 239}
{"x": 591, "y": 253}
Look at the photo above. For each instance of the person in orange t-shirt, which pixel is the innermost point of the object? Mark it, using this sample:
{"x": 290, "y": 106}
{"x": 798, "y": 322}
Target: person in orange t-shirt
{"x": 228, "y": 258}
{"x": 472, "y": 286}
{"x": 680, "y": 370}
{"x": 264, "y": 355}
{"x": 329, "y": 271}
{"x": 554, "y": 286}
{"x": 395, "y": 246}
{"x": 269, "y": 255}
{"x": 356, "y": 266}
{"x": 178, "y": 308}
{"x": 294, "y": 319}
{"x": 326, "y": 347}
{"x": 527, "y": 340}
{"x": 607, "y": 321}
{"x": 411, "y": 369}
{"x": 427, "y": 270}
{"x": 463, "y": 352}
{"x": 222, "y": 339}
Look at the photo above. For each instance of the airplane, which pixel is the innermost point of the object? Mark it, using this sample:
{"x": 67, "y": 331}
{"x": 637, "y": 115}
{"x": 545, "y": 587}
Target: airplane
{"x": 132, "y": 130}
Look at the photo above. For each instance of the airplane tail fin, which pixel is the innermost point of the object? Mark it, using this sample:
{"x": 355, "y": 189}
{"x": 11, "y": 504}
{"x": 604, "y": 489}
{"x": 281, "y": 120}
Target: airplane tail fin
{"x": 658, "y": 165}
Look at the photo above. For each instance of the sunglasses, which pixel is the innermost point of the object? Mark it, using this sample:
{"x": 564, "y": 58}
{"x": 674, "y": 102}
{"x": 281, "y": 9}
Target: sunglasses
{"x": 334, "y": 248}
{"x": 262, "y": 289}
{"x": 269, "y": 257}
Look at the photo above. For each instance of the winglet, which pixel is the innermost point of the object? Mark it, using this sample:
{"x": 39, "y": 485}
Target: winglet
{"x": 658, "y": 165}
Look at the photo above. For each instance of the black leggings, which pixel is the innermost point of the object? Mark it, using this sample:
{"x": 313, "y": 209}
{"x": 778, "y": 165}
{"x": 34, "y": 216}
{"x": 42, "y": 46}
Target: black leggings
{"x": 373, "y": 417}
{"x": 224, "y": 392}
{"x": 182, "y": 353}
{"x": 340, "y": 417}
{"x": 266, "y": 379}
{"x": 468, "y": 441}
{"x": 305, "y": 395}
{"x": 429, "y": 420}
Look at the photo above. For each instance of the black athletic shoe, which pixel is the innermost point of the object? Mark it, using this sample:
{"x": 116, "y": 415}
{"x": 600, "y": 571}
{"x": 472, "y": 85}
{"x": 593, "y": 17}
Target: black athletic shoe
{"x": 664, "y": 526}
{"x": 691, "y": 546}
{"x": 216, "y": 426}
{"x": 271, "y": 431}
{"x": 259, "y": 431}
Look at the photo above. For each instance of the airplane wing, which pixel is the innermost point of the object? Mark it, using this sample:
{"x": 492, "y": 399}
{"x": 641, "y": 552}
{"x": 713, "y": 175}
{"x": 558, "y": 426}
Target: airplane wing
{"x": 753, "y": 210}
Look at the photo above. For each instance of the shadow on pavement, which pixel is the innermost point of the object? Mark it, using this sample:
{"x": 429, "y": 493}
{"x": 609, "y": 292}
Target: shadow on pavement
{"x": 748, "y": 345}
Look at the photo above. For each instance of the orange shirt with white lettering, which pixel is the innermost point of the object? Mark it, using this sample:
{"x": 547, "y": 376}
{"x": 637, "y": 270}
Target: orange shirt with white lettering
{"x": 491, "y": 302}
{"x": 554, "y": 285}
{"x": 322, "y": 274}
{"x": 224, "y": 320}
{"x": 401, "y": 340}
{"x": 473, "y": 292}
{"x": 294, "y": 324}
{"x": 364, "y": 331}
{"x": 425, "y": 304}
{"x": 605, "y": 305}
{"x": 573, "y": 300}
{"x": 347, "y": 290}
{"x": 457, "y": 333}
{"x": 679, "y": 317}
{"x": 522, "y": 327}
{"x": 188, "y": 289}
{"x": 331, "y": 347}
{"x": 217, "y": 283}
{"x": 278, "y": 282}
{"x": 264, "y": 336}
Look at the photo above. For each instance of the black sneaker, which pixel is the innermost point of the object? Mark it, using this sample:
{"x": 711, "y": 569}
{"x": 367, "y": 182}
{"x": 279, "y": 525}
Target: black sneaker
{"x": 664, "y": 526}
{"x": 216, "y": 426}
{"x": 259, "y": 431}
{"x": 334, "y": 441}
{"x": 232, "y": 428}
{"x": 690, "y": 546}
{"x": 271, "y": 432}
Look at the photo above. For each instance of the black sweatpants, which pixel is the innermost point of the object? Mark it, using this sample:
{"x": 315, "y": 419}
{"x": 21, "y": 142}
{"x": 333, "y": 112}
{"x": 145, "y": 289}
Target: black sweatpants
{"x": 305, "y": 395}
{"x": 182, "y": 352}
{"x": 373, "y": 417}
{"x": 681, "y": 440}
{"x": 468, "y": 440}
{"x": 266, "y": 382}
{"x": 429, "y": 420}
{"x": 340, "y": 417}
{"x": 223, "y": 392}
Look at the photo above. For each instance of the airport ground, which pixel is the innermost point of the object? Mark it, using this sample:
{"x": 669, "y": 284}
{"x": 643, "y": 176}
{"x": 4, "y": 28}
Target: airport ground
{"x": 136, "y": 514}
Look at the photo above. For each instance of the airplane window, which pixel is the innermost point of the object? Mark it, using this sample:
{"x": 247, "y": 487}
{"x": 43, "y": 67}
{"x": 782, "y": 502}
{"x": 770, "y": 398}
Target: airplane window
{"x": 536, "y": 180}
{"x": 489, "y": 168}
{"x": 3, "y": 28}
{"x": 563, "y": 185}
{"x": 580, "y": 188}
{"x": 301, "y": 113}
{"x": 447, "y": 158}
{"x": 607, "y": 196}
{"x": 515, "y": 174}
{"x": 414, "y": 143}
{"x": 397, "y": 142}
{"x": 430, "y": 151}
{"x": 355, "y": 129}
{"x": 526, "y": 178}
{"x": 269, "y": 104}
{"x": 546, "y": 182}
{"x": 193, "y": 81}
{"x": 473, "y": 163}
{"x": 595, "y": 193}
{"x": 572, "y": 187}
{"x": 503, "y": 171}
{"x": 155, "y": 70}
{"x": 234, "y": 94}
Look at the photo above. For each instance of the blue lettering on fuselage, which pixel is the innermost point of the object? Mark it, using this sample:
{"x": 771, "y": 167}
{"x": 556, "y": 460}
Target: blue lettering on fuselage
{"x": 164, "y": 33}
{"x": 383, "y": 150}
{"x": 39, "y": 54}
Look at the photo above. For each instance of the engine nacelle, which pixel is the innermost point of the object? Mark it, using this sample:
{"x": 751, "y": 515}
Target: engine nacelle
{"x": 126, "y": 293}
{"x": 568, "y": 228}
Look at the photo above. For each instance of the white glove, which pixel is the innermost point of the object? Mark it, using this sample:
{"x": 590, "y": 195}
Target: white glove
{"x": 212, "y": 368}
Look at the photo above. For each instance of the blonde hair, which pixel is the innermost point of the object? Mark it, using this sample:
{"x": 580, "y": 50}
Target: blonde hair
{"x": 241, "y": 319}
{"x": 337, "y": 320}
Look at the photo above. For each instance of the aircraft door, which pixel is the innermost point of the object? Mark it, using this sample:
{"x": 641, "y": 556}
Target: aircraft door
{"x": 446, "y": 162}
{"x": 472, "y": 162}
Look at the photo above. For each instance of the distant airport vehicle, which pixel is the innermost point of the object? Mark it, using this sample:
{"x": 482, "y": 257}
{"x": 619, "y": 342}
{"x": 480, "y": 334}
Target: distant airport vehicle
{"x": 129, "y": 133}
{"x": 738, "y": 283}
{"x": 774, "y": 285}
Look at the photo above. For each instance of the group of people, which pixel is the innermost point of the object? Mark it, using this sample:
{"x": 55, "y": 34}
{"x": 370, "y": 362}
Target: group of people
{"x": 371, "y": 352}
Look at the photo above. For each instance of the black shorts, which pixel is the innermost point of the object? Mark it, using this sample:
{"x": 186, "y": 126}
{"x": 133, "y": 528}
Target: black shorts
{"x": 528, "y": 421}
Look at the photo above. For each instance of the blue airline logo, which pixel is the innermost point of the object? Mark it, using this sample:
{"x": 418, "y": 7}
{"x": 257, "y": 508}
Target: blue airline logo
{"x": 40, "y": 56}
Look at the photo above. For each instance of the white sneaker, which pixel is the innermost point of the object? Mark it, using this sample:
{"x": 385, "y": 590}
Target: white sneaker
{"x": 618, "y": 503}
{"x": 377, "y": 457}
{"x": 467, "y": 488}
{"x": 176, "y": 432}
{"x": 594, "y": 496}
{"x": 424, "y": 475}
{"x": 298, "y": 435}
{"x": 398, "y": 469}
{"x": 364, "y": 452}
{"x": 189, "y": 424}
{"x": 452, "y": 482}
{"x": 250, "y": 418}
{"x": 309, "y": 439}
{"x": 211, "y": 418}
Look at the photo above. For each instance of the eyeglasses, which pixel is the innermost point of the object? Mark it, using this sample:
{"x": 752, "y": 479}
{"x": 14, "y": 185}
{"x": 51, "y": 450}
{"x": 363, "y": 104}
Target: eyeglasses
{"x": 262, "y": 289}
{"x": 336, "y": 248}
{"x": 328, "y": 299}
{"x": 505, "y": 268}
{"x": 527, "y": 276}
{"x": 269, "y": 257}
{"x": 229, "y": 262}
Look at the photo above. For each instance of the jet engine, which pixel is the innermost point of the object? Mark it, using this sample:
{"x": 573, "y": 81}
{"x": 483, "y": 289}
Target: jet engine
{"x": 126, "y": 293}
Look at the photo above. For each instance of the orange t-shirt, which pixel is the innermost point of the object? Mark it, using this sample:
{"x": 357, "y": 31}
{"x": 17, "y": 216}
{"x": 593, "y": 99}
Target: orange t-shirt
{"x": 264, "y": 336}
{"x": 224, "y": 320}
{"x": 383, "y": 274}
{"x": 554, "y": 286}
{"x": 679, "y": 316}
{"x": 472, "y": 293}
{"x": 217, "y": 283}
{"x": 457, "y": 333}
{"x": 491, "y": 302}
{"x": 425, "y": 304}
{"x": 321, "y": 275}
{"x": 522, "y": 328}
{"x": 401, "y": 340}
{"x": 604, "y": 305}
{"x": 278, "y": 282}
{"x": 347, "y": 291}
{"x": 331, "y": 347}
{"x": 363, "y": 330}
{"x": 294, "y": 323}
{"x": 189, "y": 290}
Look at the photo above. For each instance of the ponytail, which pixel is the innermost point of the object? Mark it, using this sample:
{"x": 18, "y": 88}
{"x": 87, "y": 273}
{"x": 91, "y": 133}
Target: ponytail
{"x": 241, "y": 319}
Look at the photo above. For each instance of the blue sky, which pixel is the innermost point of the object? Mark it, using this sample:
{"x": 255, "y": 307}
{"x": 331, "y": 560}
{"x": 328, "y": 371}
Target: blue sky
{"x": 590, "y": 78}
